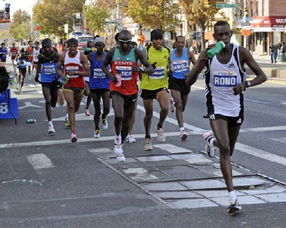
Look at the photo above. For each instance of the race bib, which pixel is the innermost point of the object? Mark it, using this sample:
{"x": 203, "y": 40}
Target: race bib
{"x": 180, "y": 66}
{"x": 225, "y": 79}
{"x": 74, "y": 69}
{"x": 49, "y": 69}
{"x": 125, "y": 72}
{"x": 98, "y": 73}
{"x": 158, "y": 73}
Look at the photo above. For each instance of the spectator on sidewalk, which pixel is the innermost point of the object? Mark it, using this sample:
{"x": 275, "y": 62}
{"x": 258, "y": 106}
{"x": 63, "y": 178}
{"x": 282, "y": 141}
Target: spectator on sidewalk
{"x": 273, "y": 53}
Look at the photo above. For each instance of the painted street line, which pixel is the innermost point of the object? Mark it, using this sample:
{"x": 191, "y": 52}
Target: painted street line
{"x": 29, "y": 104}
{"x": 260, "y": 153}
{"x": 264, "y": 129}
{"x": 40, "y": 161}
{"x": 172, "y": 148}
{"x": 140, "y": 174}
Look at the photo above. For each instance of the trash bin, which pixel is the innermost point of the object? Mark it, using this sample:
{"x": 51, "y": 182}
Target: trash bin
{"x": 283, "y": 57}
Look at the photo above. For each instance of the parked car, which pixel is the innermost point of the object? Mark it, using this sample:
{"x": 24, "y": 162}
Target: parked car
{"x": 82, "y": 41}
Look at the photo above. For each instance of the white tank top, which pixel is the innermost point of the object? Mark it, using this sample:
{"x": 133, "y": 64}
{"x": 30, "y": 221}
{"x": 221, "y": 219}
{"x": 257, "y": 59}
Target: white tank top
{"x": 220, "y": 80}
{"x": 36, "y": 54}
{"x": 73, "y": 64}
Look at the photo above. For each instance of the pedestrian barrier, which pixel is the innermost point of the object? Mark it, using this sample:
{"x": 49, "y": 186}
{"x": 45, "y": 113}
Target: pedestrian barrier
{"x": 8, "y": 106}
{"x": 283, "y": 57}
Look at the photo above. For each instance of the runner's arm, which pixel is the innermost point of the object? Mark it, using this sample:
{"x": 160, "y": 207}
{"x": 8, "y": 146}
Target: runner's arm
{"x": 107, "y": 61}
{"x": 86, "y": 70}
{"x": 247, "y": 58}
{"x": 60, "y": 65}
{"x": 148, "y": 67}
{"x": 192, "y": 57}
{"x": 192, "y": 76}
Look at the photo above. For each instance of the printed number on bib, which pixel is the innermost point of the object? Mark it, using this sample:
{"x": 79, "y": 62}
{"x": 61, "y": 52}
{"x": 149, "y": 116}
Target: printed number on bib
{"x": 98, "y": 73}
{"x": 125, "y": 72}
{"x": 180, "y": 66}
{"x": 49, "y": 69}
{"x": 158, "y": 73}
{"x": 225, "y": 79}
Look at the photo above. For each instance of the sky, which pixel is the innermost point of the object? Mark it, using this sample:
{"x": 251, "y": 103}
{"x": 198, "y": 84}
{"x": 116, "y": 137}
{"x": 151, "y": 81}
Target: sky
{"x": 26, "y": 5}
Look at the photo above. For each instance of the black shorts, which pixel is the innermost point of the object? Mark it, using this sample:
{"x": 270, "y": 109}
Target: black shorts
{"x": 233, "y": 121}
{"x": 128, "y": 99}
{"x": 50, "y": 85}
{"x": 179, "y": 85}
{"x": 98, "y": 92}
{"x": 23, "y": 70}
{"x": 151, "y": 94}
{"x": 76, "y": 90}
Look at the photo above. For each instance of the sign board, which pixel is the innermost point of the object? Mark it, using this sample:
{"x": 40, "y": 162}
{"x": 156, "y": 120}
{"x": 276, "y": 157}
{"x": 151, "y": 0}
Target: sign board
{"x": 225, "y": 5}
{"x": 111, "y": 22}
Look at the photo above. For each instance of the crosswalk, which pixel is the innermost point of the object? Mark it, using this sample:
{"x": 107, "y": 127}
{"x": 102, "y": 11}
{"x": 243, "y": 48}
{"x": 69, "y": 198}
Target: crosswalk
{"x": 175, "y": 175}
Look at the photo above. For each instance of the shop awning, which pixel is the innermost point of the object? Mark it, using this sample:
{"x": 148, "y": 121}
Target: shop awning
{"x": 271, "y": 21}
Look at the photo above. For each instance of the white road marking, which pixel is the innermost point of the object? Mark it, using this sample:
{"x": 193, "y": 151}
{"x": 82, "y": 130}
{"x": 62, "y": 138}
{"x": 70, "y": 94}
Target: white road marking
{"x": 172, "y": 148}
{"x": 40, "y": 161}
{"x": 195, "y": 130}
{"x": 82, "y": 116}
{"x": 281, "y": 140}
{"x": 260, "y": 153}
{"x": 141, "y": 174}
{"x": 29, "y": 104}
{"x": 264, "y": 129}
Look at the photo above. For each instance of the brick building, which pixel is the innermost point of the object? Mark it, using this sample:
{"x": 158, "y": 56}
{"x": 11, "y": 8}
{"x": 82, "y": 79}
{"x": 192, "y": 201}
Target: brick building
{"x": 268, "y": 24}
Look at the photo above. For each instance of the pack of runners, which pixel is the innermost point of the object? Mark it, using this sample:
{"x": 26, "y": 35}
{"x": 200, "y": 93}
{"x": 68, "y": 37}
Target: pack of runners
{"x": 163, "y": 75}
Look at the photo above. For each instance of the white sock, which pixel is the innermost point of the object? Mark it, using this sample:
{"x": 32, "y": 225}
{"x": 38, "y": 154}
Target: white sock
{"x": 182, "y": 129}
{"x": 50, "y": 123}
{"x": 211, "y": 141}
{"x": 118, "y": 139}
{"x": 232, "y": 197}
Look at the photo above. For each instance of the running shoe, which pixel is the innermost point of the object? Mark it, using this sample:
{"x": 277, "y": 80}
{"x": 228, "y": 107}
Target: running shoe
{"x": 121, "y": 158}
{"x": 234, "y": 208}
{"x": 51, "y": 130}
{"x": 104, "y": 124}
{"x": 73, "y": 138}
{"x": 209, "y": 148}
{"x": 87, "y": 113}
{"x": 130, "y": 139}
{"x": 97, "y": 134}
{"x": 172, "y": 105}
{"x": 118, "y": 149}
{"x": 184, "y": 135}
{"x": 148, "y": 145}
{"x": 160, "y": 135}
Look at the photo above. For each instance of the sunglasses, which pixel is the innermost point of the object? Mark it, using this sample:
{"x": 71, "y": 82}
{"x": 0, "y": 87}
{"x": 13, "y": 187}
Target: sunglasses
{"x": 125, "y": 41}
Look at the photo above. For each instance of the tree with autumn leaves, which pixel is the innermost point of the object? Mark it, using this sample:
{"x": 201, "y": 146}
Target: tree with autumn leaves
{"x": 200, "y": 12}
{"x": 161, "y": 14}
{"x": 51, "y": 15}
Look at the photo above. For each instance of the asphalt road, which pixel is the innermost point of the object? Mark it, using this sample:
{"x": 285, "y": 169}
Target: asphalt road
{"x": 46, "y": 181}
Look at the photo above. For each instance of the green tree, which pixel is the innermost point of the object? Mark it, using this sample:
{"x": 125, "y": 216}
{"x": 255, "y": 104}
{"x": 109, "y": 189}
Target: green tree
{"x": 51, "y": 15}
{"x": 96, "y": 16}
{"x": 21, "y": 25}
{"x": 200, "y": 12}
{"x": 154, "y": 14}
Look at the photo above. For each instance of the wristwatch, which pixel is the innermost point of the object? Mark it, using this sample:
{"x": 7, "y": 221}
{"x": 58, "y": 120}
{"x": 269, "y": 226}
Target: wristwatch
{"x": 248, "y": 84}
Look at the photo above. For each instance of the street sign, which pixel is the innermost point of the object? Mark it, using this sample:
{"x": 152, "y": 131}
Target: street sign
{"x": 111, "y": 22}
{"x": 225, "y": 5}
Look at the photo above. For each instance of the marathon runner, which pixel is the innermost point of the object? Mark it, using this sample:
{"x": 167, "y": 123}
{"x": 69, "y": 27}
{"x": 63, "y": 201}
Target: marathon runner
{"x": 180, "y": 65}
{"x": 123, "y": 86}
{"x": 225, "y": 79}
{"x": 155, "y": 86}
{"x": 99, "y": 85}
{"x": 46, "y": 74}
{"x": 76, "y": 67}
{"x": 29, "y": 50}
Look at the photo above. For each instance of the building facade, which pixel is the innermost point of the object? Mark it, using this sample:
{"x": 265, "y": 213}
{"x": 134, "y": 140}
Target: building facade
{"x": 267, "y": 25}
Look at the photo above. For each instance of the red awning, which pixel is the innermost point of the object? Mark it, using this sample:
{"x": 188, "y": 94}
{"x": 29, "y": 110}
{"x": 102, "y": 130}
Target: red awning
{"x": 272, "y": 21}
